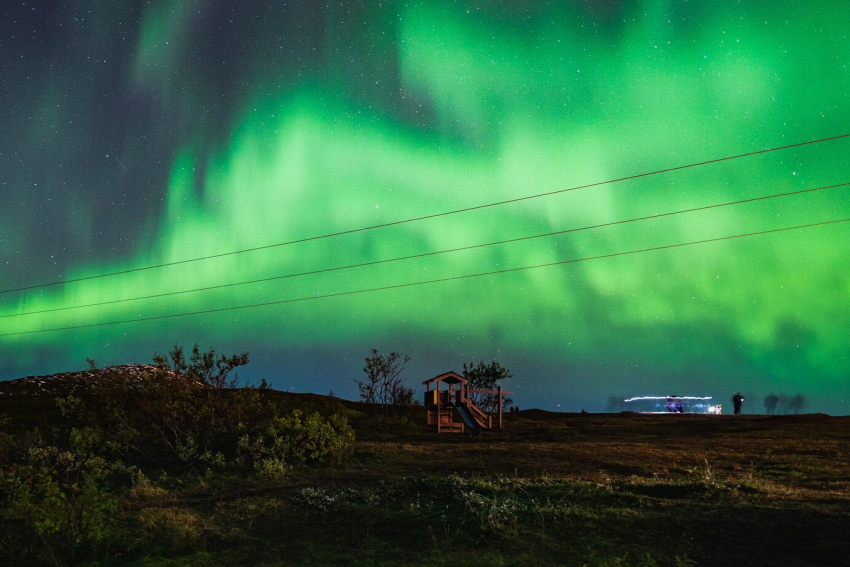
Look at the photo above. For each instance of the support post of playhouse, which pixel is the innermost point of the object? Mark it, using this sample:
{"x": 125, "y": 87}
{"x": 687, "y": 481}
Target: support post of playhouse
{"x": 439, "y": 408}
{"x": 501, "y": 403}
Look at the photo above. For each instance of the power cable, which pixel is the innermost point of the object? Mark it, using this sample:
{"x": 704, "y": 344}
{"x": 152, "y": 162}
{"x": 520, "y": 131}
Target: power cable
{"x": 425, "y": 254}
{"x": 425, "y": 217}
{"x": 440, "y": 280}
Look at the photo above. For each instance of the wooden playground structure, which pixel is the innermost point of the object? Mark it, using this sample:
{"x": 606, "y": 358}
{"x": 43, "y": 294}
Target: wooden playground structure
{"x": 443, "y": 406}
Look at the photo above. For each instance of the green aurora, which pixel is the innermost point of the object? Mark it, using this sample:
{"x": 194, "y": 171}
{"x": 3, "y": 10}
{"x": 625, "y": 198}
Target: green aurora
{"x": 209, "y": 129}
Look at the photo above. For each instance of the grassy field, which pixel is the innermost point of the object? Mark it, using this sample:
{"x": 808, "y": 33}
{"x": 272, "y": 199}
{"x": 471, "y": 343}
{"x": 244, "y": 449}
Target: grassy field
{"x": 549, "y": 489}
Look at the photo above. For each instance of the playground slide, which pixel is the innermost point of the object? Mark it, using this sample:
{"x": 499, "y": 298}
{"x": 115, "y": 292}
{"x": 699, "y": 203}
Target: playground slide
{"x": 467, "y": 418}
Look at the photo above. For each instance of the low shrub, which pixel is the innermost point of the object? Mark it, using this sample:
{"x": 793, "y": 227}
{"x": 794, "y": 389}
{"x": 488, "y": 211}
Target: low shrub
{"x": 58, "y": 500}
{"x": 294, "y": 440}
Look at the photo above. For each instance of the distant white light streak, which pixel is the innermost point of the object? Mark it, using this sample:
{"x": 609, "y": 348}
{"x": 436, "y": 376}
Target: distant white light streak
{"x": 667, "y": 398}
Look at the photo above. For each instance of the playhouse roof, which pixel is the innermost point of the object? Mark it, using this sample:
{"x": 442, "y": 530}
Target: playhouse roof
{"x": 448, "y": 378}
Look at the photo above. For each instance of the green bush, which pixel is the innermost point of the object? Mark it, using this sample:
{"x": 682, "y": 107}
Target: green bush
{"x": 294, "y": 440}
{"x": 58, "y": 500}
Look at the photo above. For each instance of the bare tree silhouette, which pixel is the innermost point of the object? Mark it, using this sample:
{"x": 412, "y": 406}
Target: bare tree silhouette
{"x": 770, "y": 402}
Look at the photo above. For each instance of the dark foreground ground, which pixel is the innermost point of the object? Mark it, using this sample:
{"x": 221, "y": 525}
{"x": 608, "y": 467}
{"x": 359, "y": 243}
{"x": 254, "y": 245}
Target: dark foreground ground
{"x": 550, "y": 489}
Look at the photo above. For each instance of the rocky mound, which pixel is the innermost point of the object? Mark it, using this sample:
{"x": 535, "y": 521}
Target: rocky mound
{"x": 66, "y": 383}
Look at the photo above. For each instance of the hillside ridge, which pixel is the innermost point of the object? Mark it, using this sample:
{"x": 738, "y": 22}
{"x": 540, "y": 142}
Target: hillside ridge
{"x": 65, "y": 383}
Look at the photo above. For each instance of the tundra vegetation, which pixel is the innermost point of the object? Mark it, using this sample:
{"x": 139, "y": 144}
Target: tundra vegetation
{"x": 65, "y": 487}
{"x": 178, "y": 466}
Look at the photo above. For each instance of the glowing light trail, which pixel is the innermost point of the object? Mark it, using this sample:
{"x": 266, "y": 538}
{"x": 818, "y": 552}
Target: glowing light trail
{"x": 667, "y": 398}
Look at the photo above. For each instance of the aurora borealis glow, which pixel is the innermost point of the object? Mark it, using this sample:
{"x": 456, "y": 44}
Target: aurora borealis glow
{"x": 140, "y": 133}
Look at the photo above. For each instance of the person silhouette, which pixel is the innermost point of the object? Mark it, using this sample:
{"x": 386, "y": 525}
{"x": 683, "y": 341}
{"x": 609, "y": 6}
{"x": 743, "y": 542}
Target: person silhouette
{"x": 738, "y": 401}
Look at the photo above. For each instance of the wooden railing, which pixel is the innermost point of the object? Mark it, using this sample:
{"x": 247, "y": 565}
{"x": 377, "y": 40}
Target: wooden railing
{"x": 483, "y": 419}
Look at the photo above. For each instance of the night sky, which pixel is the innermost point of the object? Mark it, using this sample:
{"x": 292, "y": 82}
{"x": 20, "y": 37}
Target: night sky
{"x": 141, "y": 133}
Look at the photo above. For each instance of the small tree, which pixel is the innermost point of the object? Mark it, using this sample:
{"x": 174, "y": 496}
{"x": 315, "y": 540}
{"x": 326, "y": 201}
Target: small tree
{"x": 383, "y": 387}
{"x": 203, "y": 366}
{"x": 770, "y": 402}
{"x": 797, "y": 403}
{"x": 486, "y": 377}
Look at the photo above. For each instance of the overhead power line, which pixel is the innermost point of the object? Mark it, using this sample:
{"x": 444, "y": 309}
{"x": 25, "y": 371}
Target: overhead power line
{"x": 426, "y": 254}
{"x": 426, "y": 282}
{"x": 424, "y": 217}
